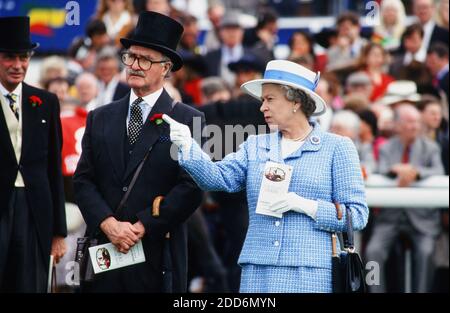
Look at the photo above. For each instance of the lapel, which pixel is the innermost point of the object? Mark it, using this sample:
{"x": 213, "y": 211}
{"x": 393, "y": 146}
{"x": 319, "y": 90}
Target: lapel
{"x": 5, "y": 138}
{"x": 30, "y": 120}
{"x": 312, "y": 143}
{"x": 150, "y": 133}
{"x": 416, "y": 153}
{"x": 273, "y": 144}
{"x": 115, "y": 132}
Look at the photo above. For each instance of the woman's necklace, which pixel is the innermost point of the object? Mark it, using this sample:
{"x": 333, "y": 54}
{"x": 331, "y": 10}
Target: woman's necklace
{"x": 304, "y": 136}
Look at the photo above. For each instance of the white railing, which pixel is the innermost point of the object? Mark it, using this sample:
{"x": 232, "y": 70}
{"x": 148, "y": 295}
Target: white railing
{"x": 431, "y": 193}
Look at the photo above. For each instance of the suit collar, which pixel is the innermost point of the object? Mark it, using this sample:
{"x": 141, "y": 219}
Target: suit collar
{"x": 115, "y": 133}
{"x": 272, "y": 142}
{"x": 150, "y": 99}
{"x": 31, "y": 119}
{"x": 17, "y": 91}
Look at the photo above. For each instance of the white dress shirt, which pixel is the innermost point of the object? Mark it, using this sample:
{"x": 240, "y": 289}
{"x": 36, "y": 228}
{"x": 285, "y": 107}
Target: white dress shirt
{"x": 146, "y": 105}
{"x": 428, "y": 28}
{"x": 106, "y": 92}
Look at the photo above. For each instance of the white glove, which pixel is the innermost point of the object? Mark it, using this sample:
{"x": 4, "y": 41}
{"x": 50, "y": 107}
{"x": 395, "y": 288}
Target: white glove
{"x": 293, "y": 202}
{"x": 180, "y": 134}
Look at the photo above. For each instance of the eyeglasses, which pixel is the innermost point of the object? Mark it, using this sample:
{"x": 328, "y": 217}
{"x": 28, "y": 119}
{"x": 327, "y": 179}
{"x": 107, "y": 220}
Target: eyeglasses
{"x": 144, "y": 63}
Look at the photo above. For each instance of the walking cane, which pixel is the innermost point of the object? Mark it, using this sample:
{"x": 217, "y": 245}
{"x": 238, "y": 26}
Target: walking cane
{"x": 167, "y": 257}
{"x": 51, "y": 281}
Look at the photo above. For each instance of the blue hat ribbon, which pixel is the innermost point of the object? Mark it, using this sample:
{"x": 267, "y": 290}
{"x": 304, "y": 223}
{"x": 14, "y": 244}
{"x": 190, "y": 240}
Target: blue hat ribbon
{"x": 292, "y": 78}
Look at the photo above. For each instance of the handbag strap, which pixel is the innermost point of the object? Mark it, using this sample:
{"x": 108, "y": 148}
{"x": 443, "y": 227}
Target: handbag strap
{"x": 122, "y": 203}
{"x": 349, "y": 234}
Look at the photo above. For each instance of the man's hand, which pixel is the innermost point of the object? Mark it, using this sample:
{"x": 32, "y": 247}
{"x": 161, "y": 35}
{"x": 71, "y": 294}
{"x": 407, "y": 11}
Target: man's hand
{"x": 58, "y": 248}
{"x": 406, "y": 174}
{"x": 121, "y": 234}
{"x": 140, "y": 227}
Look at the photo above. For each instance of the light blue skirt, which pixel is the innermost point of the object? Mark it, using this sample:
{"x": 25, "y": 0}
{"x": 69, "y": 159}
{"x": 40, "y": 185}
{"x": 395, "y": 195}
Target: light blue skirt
{"x": 284, "y": 279}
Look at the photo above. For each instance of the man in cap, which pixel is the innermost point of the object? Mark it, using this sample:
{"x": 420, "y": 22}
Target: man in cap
{"x": 231, "y": 50}
{"x": 32, "y": 215}
{"x": 116, "y": 141}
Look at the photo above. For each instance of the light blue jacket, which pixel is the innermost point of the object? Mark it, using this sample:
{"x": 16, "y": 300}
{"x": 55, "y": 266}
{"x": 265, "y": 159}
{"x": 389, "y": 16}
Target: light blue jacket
{"x": 326, "y": 168}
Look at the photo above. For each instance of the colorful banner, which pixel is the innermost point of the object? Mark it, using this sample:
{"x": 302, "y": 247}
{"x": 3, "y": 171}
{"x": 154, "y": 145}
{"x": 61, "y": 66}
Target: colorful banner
{"x": 54, "y": 23}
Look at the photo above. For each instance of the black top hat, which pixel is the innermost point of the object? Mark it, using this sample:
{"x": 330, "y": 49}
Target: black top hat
{"x": 323, "y": 37}
{"x": 158, "y": 32}
{"x": 248, "y": 62}
{"x": 15, "y": 34}
{"x": 194, "y": 61}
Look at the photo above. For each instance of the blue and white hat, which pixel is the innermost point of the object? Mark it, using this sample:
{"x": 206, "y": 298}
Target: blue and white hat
{"x": 290, "y": 74}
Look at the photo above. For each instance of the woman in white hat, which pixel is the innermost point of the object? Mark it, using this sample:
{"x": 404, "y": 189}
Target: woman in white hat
{"x": 288, "y": 242}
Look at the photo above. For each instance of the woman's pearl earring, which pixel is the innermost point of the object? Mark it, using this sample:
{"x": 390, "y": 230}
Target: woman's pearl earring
{"x": 295, "y": 110}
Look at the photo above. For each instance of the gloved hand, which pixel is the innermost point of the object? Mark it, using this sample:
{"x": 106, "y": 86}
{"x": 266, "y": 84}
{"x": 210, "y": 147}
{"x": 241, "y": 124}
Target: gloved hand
{"x": 293, "y": 202}
{"x": 180, "y": 134}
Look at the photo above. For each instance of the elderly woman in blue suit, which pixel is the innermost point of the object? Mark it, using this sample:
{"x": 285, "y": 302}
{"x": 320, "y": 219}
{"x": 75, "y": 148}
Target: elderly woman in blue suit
{"x": 290, "y": 252}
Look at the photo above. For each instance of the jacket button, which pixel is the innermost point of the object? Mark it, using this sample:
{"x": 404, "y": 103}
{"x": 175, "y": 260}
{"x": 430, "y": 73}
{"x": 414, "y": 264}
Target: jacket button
{"x": 124, "y": 189}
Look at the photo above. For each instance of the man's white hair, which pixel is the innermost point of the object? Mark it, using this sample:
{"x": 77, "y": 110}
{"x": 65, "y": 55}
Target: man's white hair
{"x": 346, "y": 119}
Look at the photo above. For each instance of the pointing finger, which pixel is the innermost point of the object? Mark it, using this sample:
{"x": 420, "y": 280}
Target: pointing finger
{"x": 166, "y": 118}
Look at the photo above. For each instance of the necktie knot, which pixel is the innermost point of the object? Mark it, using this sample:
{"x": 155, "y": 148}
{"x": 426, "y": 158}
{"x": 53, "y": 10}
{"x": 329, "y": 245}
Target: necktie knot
{"x": 137, "y": 101}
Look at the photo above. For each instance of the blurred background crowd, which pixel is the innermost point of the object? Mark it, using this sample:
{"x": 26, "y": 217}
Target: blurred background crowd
{"x": 382, "y": 75}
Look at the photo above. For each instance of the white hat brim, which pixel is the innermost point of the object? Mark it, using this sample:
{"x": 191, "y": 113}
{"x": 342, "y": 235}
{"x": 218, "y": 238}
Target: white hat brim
{"x": 392, "y": 99}
{"x": 254, "y": 89}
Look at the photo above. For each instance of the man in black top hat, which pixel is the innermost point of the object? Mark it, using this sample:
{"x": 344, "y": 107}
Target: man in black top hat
{"x": 116, "y": 140}
{"x": 32, "y": 215}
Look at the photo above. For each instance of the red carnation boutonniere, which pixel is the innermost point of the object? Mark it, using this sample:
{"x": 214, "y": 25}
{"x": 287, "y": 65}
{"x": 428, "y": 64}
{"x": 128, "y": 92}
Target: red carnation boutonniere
{"x": 156, "y": 118}
{"x": 35, "y": 101}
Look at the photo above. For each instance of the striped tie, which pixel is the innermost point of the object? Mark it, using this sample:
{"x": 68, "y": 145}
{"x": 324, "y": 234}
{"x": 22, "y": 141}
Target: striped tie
{"x": 13, "y": 104}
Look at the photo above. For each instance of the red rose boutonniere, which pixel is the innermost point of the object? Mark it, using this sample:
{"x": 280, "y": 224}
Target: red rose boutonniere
{"x": 35, "y": 101}
{"x": 156, "y": 118}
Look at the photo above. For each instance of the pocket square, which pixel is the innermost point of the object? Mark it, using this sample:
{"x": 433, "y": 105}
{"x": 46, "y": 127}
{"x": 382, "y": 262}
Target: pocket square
{"x": 164, "y": 138}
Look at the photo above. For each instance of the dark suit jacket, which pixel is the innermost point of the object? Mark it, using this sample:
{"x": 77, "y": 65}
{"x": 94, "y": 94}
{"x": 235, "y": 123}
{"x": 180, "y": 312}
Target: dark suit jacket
{"x": 415, "y": 71}
{"x": 40, "y": 165}
{"x": 121, "y": 91}
{"x": 102, "y": 175}
{"x": 213, "y": 61}
{"x": 443, "y": 84}
{"x": 439, "y": 34}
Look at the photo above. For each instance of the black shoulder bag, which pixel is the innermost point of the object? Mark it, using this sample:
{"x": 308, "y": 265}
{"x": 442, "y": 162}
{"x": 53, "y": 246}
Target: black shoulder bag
{"x": 86, "y": 271}
{"x": 347, "y": 268}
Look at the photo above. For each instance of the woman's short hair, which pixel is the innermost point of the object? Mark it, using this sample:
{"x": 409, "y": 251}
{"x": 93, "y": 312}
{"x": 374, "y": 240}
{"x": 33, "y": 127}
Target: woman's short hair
{"x": 308, "y": 105}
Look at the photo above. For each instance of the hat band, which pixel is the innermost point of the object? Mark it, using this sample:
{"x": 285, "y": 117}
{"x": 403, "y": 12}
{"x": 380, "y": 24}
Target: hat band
{"x": 291, "y": 78}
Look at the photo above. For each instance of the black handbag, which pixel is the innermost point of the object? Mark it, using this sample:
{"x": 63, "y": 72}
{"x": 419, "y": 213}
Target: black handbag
{"x": 348, "y": 273}
{"x": 85, "y": 269}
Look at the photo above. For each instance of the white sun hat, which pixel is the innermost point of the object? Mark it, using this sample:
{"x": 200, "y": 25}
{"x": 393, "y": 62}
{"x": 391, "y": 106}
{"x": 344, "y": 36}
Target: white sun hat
{"x": 400, "y": 91}
{"x": 290, "y": 74}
